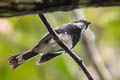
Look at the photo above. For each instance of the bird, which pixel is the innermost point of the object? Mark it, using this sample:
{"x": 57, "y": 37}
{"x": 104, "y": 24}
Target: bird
{"x": 48, "y": 48}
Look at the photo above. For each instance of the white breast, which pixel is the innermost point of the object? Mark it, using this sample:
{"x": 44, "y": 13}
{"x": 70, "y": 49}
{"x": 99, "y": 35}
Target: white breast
{"x": 65, "y": 37}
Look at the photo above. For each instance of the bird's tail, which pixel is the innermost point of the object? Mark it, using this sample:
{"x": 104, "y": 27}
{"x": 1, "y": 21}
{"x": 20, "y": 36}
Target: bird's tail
{"x": 18, "y": 59}
{"x": 47, "y": 57}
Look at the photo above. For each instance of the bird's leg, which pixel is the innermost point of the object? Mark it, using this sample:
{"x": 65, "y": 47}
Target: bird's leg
{"x": 18, "y": 59}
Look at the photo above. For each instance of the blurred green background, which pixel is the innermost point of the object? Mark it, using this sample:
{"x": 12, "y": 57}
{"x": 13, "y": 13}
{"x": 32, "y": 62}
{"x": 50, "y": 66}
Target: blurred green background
{"x": 19, "y": 34}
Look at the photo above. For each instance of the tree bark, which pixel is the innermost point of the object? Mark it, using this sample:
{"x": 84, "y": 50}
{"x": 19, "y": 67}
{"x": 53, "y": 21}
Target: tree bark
{"x": 22, "y": 7}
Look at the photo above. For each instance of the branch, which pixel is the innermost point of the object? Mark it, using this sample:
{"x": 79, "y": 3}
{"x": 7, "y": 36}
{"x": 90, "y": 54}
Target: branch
{"x": 92, "y": 51}
{"x": 95, "y": 57}
{"x": 69, "y": 51}
{"x": 22, "y": 7}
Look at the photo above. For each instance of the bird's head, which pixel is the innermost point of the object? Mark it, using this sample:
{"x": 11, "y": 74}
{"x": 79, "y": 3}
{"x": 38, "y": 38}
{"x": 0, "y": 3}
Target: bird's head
{"x": 82, "y": 24}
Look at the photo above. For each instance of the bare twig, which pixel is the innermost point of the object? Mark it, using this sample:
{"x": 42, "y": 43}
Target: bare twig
{"x": 68, "y": 50}
{"x": 92, "y": 51}
{"x": 95, "y": 57}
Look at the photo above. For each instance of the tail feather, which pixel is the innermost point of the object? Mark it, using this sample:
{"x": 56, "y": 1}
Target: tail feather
{"x": 17, "y": 60}
{"x": 47, "y": 57}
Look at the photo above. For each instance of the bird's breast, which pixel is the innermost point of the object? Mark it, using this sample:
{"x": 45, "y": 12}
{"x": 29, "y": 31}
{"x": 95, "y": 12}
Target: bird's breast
{"x": 64, "y": 37}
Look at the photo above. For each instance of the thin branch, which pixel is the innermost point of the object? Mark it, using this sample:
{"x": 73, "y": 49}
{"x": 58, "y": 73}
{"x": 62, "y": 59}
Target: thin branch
{"x": 92, "y": 51}
{"x": 95, "y": 57}
{"x": 68, "y": 50}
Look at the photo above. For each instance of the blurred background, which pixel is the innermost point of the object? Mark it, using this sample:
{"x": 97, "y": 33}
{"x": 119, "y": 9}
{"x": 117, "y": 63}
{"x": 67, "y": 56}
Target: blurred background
{"x": 18, "y": 34}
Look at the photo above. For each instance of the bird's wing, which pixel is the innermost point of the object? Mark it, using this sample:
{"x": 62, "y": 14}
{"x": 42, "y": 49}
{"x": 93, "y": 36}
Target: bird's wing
{"x": 47, "y": 37}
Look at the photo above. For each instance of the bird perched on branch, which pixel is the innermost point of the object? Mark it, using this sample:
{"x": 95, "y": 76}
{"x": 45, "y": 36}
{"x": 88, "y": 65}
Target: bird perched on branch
{"x": 48, "y": 48}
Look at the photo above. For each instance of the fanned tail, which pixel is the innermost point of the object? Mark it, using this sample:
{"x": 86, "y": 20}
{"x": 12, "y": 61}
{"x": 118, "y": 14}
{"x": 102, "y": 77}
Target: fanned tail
{"x": 17, "y": 60}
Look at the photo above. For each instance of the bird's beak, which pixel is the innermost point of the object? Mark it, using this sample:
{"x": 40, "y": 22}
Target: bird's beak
{"x": 87, "y": 24}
